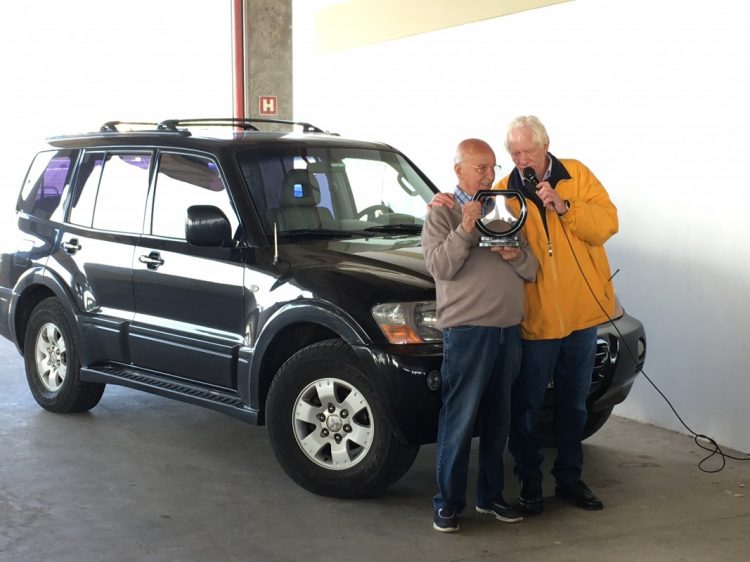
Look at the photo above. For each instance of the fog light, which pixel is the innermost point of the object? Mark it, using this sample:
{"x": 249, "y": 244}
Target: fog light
{"x": 434, "y": 380}
{"x": 641, "y": 349}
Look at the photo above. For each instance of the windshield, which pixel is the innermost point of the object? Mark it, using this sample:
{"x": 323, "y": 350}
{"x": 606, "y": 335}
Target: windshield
{"x": 335, "y": 190}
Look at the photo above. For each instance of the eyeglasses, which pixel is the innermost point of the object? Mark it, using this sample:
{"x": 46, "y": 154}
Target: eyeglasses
{"x": 485, "y": 168}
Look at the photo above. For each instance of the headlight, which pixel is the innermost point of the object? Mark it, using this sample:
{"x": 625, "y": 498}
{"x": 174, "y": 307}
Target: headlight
{"x": 408, "y": 322}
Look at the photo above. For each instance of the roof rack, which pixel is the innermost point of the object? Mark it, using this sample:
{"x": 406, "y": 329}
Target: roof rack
{"x": 245, "y": 124}
{"x": 111, "y": 126}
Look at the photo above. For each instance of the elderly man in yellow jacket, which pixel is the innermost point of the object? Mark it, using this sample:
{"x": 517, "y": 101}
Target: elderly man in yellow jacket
{"x": 570, "y": 217}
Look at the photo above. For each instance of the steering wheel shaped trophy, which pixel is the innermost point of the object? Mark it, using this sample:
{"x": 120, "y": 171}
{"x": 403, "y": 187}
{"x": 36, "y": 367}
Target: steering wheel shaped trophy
{"x": 507, "y": 236}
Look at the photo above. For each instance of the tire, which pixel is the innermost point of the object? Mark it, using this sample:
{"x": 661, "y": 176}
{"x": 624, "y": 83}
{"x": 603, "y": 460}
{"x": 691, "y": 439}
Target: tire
{"x": 52, "y": 362}
{"x": 327, "y": 426}
{"x": 596, "y": 421}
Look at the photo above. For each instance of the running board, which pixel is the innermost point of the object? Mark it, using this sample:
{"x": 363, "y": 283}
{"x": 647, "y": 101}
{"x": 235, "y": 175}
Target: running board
{"x": 225, "y": 402}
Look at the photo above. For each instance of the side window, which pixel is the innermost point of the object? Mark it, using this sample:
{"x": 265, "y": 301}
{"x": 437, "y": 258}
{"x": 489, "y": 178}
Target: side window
{"x": 87, "y": 185}
{"x": 182, "y": 181}
{"x": 121, "y": 198}
{"x": 48, "y": 175}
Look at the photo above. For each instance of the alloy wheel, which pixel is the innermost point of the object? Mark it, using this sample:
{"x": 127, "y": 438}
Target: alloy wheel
{"x": 50, "y": 355}
{"x": 333, "y": 424}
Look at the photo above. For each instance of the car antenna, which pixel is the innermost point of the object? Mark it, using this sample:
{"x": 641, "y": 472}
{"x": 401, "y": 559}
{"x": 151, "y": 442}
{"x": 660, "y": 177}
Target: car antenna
{"x": 275, "y": 245}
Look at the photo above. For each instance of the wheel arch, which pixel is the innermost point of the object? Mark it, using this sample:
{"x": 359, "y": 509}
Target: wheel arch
{"x": 290, "y": 329}
{"x": 32, "y": 288}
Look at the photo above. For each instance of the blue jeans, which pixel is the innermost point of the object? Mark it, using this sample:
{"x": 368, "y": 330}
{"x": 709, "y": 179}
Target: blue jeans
{"x": 568, "y": 362}
{"x": 479, "y": 366}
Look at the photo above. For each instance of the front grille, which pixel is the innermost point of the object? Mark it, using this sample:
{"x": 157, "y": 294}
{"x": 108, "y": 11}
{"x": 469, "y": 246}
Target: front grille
{"x": 601, "y": 359}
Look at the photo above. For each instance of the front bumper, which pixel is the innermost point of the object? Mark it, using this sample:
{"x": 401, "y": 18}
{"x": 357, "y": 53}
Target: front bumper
{"x": 400, "y": 374}
{"x": 620, "y": 353}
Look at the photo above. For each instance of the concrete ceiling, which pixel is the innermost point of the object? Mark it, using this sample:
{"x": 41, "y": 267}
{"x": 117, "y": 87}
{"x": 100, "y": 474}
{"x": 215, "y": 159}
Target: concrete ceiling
{"x": 355, "y": 23}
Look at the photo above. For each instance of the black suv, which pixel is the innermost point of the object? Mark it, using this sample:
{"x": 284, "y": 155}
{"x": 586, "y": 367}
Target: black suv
{"x": 274, "y": 276}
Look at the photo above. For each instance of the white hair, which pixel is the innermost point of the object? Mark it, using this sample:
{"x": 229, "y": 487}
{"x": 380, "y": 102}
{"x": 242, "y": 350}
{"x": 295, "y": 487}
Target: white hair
{"x": 530, "y": 122}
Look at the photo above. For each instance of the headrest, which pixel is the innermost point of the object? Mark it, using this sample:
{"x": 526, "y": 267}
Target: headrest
{"x": 299, "y": 189}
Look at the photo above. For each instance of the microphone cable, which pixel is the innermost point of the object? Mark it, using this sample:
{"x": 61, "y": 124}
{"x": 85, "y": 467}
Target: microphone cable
{"x": 703, "y": 441}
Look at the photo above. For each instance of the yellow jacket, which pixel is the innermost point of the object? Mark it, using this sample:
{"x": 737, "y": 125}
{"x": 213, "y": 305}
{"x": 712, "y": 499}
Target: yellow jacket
{"x": 560, "y": 301}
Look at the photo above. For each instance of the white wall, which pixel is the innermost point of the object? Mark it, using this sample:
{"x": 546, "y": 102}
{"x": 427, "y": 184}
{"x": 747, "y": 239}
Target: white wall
{"x": 68, "y": 67}
{"x": 653, "y": 97}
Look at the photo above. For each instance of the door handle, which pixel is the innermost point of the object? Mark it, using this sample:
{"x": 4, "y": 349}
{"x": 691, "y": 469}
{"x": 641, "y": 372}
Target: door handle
{"x": 152, "y": 261}
{"x": 72, "y": 246}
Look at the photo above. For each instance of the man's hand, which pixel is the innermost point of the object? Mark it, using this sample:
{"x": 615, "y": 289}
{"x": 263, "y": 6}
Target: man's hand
{"x": 472, "y": 212}
{"x": 508, "y": 253}
{"x": 552, "y": 201}
{"x": 442, "y": 200}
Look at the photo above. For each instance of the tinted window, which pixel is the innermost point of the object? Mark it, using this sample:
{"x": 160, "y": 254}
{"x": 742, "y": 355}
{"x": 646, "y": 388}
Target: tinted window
{"x": 87, "y": 186}
{"x": 121, "y": 197}
{"x": 182, "y": 181}
{"x": 49, "y": 174}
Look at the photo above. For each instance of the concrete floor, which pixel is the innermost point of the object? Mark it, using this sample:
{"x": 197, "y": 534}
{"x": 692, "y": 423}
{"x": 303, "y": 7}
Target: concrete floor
{"x": 144, "y": 478}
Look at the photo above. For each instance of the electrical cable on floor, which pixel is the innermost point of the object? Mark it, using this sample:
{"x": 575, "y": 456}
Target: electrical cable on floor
{"x": 710, "y": 444}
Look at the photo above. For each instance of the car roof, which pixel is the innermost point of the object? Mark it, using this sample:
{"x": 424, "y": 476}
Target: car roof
{"x": 206, "y": 134}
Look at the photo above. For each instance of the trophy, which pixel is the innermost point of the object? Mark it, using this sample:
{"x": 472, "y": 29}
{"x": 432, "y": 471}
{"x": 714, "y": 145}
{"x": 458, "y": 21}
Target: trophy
{"x": 501, "y": 218}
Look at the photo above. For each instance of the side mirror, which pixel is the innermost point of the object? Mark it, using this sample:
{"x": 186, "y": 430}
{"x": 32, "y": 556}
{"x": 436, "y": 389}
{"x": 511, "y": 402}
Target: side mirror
{"x": 207, "y": 225}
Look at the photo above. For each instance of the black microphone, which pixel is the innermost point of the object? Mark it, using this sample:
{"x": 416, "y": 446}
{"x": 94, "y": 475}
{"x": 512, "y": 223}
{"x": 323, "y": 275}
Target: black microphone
{"x": 530, "y": 176}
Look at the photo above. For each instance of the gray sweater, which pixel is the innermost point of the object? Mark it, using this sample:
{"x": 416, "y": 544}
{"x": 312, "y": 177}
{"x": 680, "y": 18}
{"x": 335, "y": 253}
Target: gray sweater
{"x": 475, "y": 286}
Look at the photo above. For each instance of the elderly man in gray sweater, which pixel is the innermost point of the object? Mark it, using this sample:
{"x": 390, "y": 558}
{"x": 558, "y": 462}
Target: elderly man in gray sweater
{"x": 479, "y": 307}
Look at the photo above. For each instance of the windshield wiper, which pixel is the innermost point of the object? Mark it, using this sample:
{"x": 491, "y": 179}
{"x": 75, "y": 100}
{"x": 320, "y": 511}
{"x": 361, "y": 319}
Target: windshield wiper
{"x": 316, "y": 232}
{"x": 408, "y": 228}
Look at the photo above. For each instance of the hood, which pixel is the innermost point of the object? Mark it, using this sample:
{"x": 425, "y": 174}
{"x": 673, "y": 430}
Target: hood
{"x": 373, "y": 269}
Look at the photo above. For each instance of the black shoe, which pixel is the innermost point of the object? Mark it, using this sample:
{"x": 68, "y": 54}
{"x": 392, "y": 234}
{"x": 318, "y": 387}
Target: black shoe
{"x": 579, "y": 494}
{"x": 501, "y": 510}
{"x": 445, "y": 520}
{"x": 530, "y": 498}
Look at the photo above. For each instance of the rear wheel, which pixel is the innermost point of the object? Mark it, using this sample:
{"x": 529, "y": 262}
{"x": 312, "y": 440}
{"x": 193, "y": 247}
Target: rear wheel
{"x": 52, "y": 362}
{"x": 327, "y": 426}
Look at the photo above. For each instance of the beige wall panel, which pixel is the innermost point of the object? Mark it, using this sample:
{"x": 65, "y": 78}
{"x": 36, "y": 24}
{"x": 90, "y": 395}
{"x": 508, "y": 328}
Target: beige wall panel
{"x": 362, "y": 22}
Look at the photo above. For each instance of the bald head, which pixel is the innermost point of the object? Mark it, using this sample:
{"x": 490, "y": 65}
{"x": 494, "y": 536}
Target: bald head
{"x": 474, "y": 165}
{"x": 470, "y": 148}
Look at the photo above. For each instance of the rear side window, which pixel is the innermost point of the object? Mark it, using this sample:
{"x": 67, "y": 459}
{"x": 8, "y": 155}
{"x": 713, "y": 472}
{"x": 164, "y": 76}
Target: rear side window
{"x": 84, "y": 199}
{"x": 42, "y": 191}
{"x": 111, "y": 191}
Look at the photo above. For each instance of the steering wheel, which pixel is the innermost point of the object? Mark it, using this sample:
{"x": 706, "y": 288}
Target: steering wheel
{"x": 370, "y": 211}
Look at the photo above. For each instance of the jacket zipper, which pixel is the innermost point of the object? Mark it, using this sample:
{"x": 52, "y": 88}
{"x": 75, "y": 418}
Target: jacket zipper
{"x": 543, "y": 213}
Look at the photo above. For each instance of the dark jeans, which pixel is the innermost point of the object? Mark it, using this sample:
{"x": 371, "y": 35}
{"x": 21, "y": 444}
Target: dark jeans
{"x": 568, "y": 362}
{"x": 479, "y": 366}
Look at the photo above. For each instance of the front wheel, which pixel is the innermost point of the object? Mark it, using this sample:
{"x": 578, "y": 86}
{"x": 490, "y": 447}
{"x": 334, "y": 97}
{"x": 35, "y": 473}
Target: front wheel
{"x": 52, "y": 362}
{"x": 327, "y": 427}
